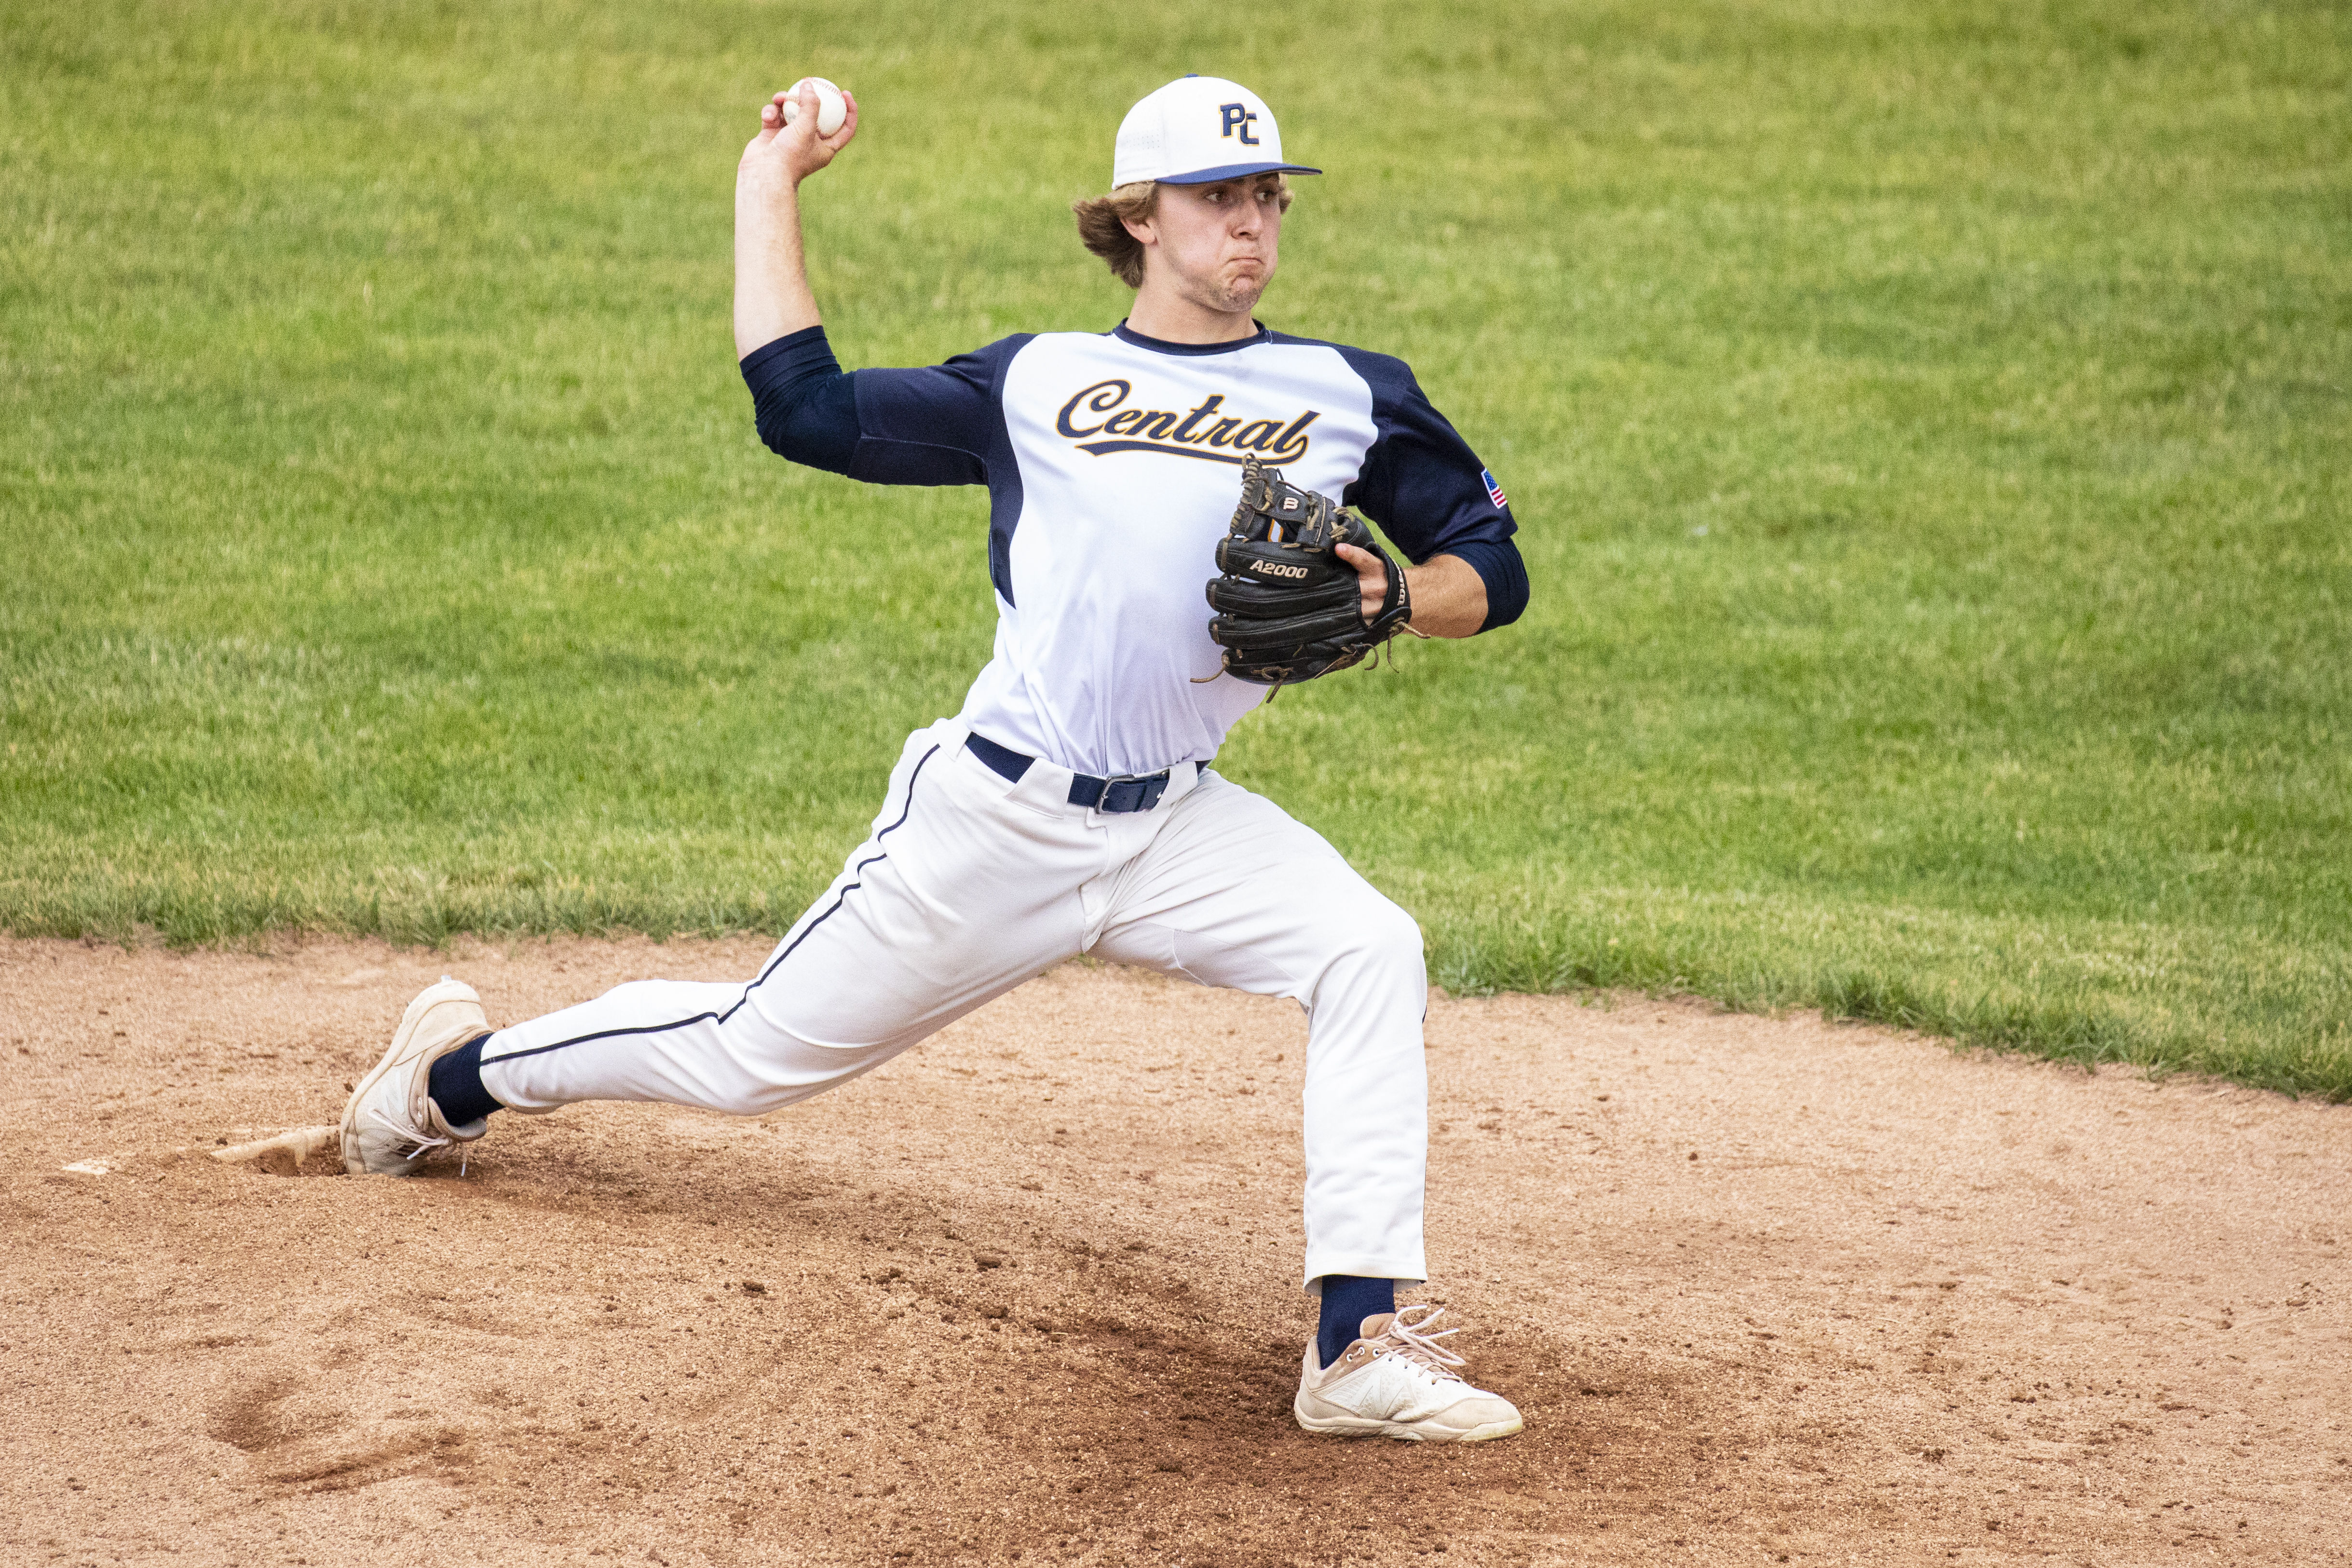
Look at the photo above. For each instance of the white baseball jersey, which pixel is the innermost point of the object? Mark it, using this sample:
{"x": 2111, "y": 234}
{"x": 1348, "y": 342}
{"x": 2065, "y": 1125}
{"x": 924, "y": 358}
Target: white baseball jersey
{"x": 1112, "y": 462}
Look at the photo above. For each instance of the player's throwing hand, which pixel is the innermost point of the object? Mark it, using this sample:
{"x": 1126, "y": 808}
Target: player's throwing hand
{"x": 787, "y": 154}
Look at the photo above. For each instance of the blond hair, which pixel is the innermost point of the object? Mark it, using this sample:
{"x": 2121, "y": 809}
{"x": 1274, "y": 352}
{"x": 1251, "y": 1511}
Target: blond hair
{"x": 1103, "y": 220}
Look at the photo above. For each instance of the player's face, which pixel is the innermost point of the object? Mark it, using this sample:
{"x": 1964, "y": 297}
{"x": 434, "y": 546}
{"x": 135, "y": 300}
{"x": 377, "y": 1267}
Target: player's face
{"x": 1218, "y": 244}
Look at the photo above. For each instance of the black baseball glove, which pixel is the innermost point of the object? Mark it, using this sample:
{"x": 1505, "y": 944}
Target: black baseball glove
{"x": 1288, "y": 608}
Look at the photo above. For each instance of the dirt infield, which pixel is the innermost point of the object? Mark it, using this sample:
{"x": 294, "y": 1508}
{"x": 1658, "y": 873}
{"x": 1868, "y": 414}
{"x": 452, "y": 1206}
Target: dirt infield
{"x": 1768, "y": 1290}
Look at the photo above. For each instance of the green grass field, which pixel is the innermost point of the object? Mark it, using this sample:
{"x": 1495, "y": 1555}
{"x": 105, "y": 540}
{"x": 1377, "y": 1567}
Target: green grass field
{"x": 1928, "y": 424}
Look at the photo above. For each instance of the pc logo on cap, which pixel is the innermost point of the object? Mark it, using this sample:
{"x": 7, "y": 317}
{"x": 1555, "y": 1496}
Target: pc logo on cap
{"x": 1198, "y": 130}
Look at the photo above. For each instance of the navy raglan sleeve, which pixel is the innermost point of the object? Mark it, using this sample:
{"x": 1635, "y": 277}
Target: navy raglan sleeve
{"x": 1428, "y": 492}
{"x": 937, "y": 425}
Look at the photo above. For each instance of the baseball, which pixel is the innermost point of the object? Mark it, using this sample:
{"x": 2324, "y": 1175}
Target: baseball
{"x": 830, "y": 108}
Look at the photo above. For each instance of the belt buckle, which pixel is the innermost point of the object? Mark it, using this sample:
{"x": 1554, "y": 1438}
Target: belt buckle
{"x": 1146, "y": 796}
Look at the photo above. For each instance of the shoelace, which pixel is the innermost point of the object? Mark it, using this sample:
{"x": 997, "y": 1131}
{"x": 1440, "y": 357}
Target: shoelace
{"x": 1409, "y": 1341}
{"x": 424, "y": 1145}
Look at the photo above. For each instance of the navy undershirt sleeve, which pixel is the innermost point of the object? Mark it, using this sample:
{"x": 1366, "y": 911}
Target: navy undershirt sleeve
{"x": 1428, "y": 492}
{"x": 939, "y": 425}
{"x": 1498, "y": 565}
{"x": 806, "y": 408}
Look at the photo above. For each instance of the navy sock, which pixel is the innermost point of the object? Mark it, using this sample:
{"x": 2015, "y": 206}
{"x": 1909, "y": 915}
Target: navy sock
{"x": 1346, "y": 1303}
{"x": 455, "y": 1082}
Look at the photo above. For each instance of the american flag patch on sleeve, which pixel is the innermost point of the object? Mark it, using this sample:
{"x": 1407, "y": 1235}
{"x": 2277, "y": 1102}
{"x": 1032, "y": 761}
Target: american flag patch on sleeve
{"x": 1494, "y": 490}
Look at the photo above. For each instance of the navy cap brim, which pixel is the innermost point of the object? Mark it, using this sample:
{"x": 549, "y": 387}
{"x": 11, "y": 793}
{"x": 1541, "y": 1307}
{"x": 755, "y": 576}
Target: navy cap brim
{"x": 1234, "y": 171}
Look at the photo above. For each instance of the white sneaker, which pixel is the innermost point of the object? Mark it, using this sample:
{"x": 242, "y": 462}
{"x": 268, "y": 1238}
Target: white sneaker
{"x": 391, "y": 1123}
{"x": 1397, "y": 1381}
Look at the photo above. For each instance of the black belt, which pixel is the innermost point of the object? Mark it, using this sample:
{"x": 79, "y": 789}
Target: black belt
{"x": 1129, "y": 793}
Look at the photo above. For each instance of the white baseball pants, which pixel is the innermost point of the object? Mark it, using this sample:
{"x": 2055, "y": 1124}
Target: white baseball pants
{"x": 969, "y": 885}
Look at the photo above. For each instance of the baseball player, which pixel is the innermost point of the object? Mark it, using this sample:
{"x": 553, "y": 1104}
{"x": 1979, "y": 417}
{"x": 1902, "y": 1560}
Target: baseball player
{"x": 1070, "y": 807}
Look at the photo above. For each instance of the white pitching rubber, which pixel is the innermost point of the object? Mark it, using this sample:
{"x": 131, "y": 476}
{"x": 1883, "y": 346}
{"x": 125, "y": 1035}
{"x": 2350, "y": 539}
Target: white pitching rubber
{"x": 283, "y": 1153}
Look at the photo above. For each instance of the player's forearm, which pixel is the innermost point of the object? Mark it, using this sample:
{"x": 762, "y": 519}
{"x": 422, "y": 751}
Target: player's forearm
{"x": 1449, "y": 597}
{"x": 771, "y": 287}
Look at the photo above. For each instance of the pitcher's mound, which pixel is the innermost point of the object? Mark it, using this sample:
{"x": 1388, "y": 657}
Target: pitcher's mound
{"x": 1766, "y": 1289}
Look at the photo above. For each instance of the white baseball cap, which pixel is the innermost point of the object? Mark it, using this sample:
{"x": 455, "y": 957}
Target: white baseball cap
{"x": 1196, "y": 130}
